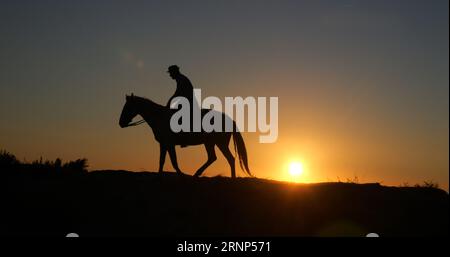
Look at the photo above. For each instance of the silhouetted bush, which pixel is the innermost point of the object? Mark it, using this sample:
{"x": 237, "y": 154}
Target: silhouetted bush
{"x": 9, "y": 162}
{"x": 77, "y": 165}
{"x": 428, "y": 184}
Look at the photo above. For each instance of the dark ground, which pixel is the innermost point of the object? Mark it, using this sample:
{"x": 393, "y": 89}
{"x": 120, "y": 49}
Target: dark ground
{"x": 120, "y": 203}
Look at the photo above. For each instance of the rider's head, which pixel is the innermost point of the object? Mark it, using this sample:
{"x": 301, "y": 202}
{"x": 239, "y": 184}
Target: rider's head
{"x": 173, "y": 71}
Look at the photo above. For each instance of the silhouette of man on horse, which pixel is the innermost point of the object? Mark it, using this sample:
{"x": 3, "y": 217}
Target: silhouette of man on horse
{"x": 184, "y": 89}
{"x": 158, "y": 118}
{"x": 184, "y": 85}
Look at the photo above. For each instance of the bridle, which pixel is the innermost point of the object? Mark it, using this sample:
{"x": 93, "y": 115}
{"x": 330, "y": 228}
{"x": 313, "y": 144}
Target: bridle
{"x": 136, "y": 123}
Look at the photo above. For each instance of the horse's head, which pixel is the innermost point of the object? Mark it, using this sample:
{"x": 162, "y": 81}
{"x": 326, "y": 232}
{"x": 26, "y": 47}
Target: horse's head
{"x": 128, "y": 112}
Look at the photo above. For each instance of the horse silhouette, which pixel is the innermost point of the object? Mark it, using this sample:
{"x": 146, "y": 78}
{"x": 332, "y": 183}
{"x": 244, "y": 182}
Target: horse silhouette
{"x": 158, "y": 118}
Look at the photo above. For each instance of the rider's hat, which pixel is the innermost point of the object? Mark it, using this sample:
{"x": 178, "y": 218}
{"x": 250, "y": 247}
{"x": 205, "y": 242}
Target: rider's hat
{"x": 173, "y": 68}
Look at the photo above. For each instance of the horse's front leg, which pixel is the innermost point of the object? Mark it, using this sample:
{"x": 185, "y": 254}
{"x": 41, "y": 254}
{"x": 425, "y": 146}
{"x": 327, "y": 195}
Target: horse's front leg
{"x": 162, "y": 157}
{"x": 173, "y": 159}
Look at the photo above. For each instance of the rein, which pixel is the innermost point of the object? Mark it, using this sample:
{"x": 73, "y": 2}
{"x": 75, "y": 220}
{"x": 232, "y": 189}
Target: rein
{"x": 139, "y": 122}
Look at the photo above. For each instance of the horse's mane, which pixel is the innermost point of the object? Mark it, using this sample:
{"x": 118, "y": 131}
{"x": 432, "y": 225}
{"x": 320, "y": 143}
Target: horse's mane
{"x": 144, "y": 100}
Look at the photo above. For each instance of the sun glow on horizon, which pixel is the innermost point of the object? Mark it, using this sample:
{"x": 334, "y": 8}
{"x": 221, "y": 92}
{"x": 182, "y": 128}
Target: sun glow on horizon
{"x": 296, "y": 170}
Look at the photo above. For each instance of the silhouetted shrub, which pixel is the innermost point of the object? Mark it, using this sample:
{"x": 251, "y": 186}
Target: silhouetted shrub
{"x": 9, "y": 162}
{"x": 78, "y": 165}
{"x": 428, "y": 184}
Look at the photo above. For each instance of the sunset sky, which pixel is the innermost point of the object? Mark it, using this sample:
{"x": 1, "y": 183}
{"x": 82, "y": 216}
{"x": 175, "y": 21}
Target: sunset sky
{"x": 363, "y": 86}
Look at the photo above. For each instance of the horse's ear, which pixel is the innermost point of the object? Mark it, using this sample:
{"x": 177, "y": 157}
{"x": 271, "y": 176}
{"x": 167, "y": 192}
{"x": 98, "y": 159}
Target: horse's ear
{"x": 132, "y": 95}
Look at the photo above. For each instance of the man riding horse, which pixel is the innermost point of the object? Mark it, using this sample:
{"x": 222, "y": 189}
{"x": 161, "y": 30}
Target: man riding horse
{"x": 158, "y": 118}
{"x": 184, "y": 85}
{"x": 184, "y": 89}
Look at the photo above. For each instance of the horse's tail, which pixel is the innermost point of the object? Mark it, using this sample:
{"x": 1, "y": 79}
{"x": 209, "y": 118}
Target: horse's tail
{"x": 241, "y": 151}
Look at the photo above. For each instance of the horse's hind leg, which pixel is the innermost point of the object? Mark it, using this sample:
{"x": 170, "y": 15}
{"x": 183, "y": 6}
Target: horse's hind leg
{"x": 223, "y": 146}
{"x": 173, "y": 159}
{"x": 211, "y": 158}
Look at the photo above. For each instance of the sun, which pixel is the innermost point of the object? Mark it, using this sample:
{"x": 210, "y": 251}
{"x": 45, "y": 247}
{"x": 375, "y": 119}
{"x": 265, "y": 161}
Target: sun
{"x": 296, "y": 169}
